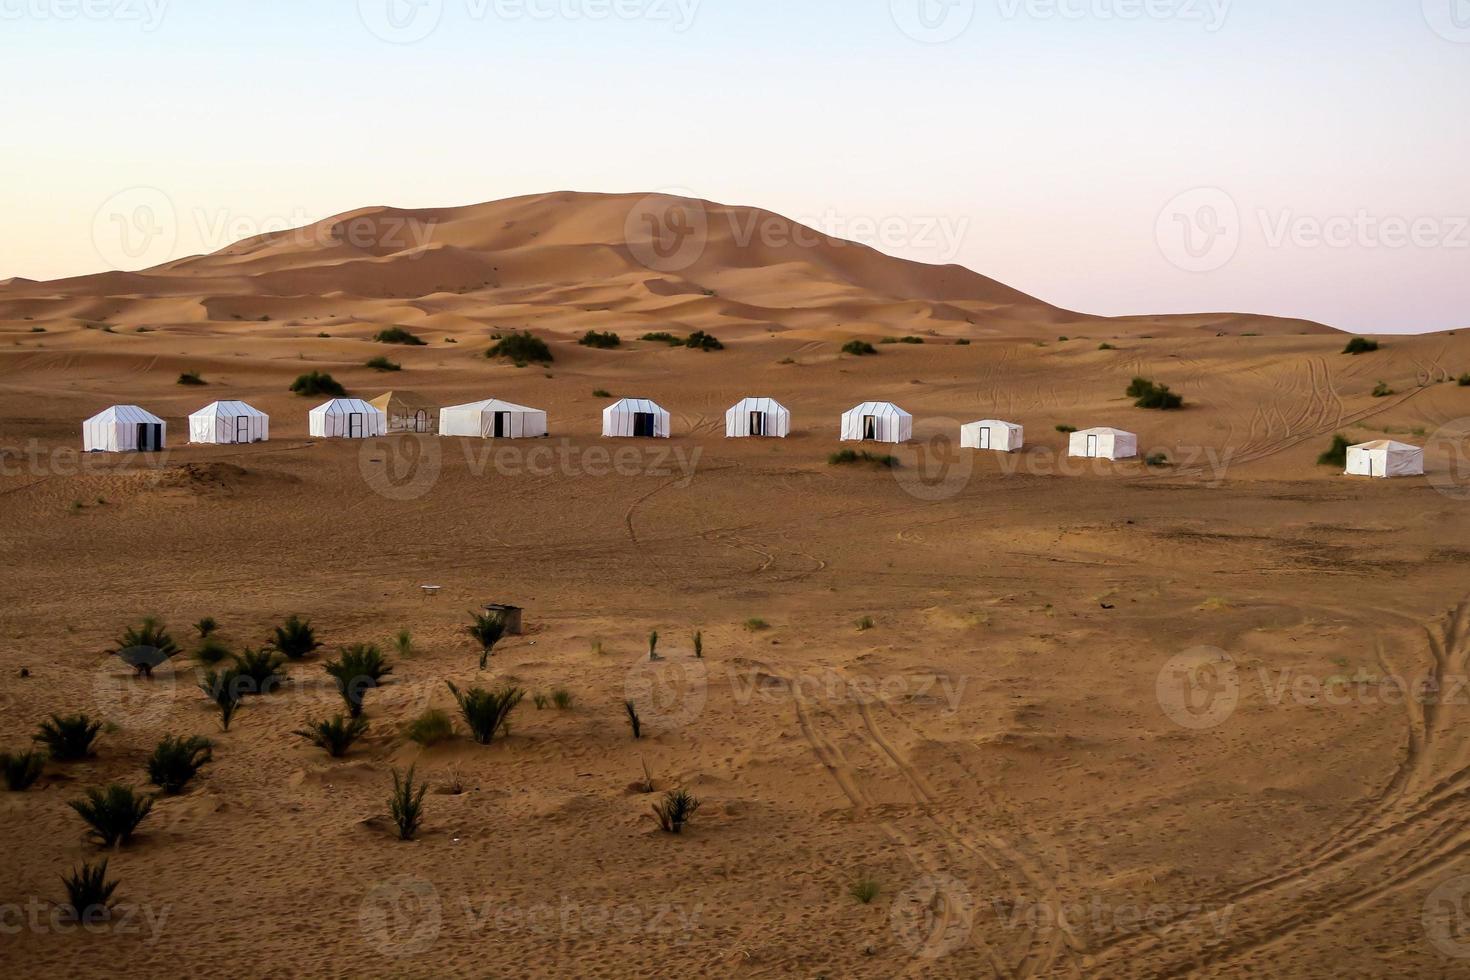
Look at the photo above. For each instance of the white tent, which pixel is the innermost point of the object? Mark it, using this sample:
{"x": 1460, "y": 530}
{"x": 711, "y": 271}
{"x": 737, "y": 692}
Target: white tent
{"x": 1104, "y": 443}
{"x": 492, "y": 419}
{"x": 123, "y": 429}
{"x": 635, "y": 418}
{"x": 226, "y": 423}
{"x": 406, "y": 411}
{"x": 754, "y": 417}
{"x": 1002, "y": 437}
{"x": 347, "y": 418}
{"x": 1385, "y": 458}
{"x": 877, "y": 422}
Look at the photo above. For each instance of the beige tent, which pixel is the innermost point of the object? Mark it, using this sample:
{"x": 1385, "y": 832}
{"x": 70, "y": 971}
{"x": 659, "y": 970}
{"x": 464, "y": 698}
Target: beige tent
{"x": 407, "y": 411}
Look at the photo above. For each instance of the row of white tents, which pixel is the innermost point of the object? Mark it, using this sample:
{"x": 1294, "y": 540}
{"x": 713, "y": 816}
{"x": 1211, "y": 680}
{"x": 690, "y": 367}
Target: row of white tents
{"x": 128, "y": 428}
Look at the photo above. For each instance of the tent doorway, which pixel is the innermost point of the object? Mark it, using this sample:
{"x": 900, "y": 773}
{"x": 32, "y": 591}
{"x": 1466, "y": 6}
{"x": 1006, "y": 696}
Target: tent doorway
{"x": 242, "y": 429}
{"x": 502, "y": 425}
{"x": 643, "y": 425}
{"x": 985, "y": 438}
{"x": 354, "y": 425}
{"x": 421, "y": 421}
{"x": 150, "y": 437}
{"x": 1374, "y": 467}
{"x": 758, "y": 423}
{"x": 1091, "y": 447}
{"x": 870, "y": 428}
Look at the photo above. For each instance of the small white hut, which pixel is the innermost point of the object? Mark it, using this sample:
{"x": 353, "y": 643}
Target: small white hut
{"x": 877, "y": 422}
{"x": 1104, "y": 443}
{"x": 492, "y": 419}
{"x": 228, "y": 423}
{"x": 1385, "y": 459}
{"x": 757, "y": 417}
{"x": 635, "y": 418}
{"x": 123, "y": 429}
{"x": 348, "y": 418}
{"x": 992, "y": 434}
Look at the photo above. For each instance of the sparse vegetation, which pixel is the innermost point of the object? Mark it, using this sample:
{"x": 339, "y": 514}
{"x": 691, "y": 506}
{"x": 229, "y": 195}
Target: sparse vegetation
{"x": 541, "y": 701}
{"x": 601, "y": 341}
{"x": 211, "y": 650}
{"x": 407, "y": 804}
{"x": 68, "y": 738}
{"x": 295, "y": 638}
{"x": 864, "y": 888}
{"x": 191, "y": 379}
{"x": 1106, "y": 346}
{"x": 1152, "y": 395}
{"x": 315, "y": 384}
{"x": 1337, "y": 455}
{"x": 221, "y": 687}
{"x": 664, "y": 337}
{"x": 359, "y": 670}
{"x": 1382, "y": 390}
{"x": 175, "y": 761}
{"x": 486, "y": 712}
{"x": 145, "y": 647}
{"x": 486, "y": 629}
{"x": 1360, "y": 345}
{"x": 206, "y": 627}
{"x": 523, "y": 348}
{"x": 257, "y": 671}
{"x": 849, "y": 457}
{"x": 336, "y": 735}
{"x": 383, "y": 364}
{"x": 601, "y": 393}
{"x": 398, "y": 335}
{"x": 755, "y": 624}
{"x": 1157, "y": 460}
{"x": 431, "y": 727}
{"x": 403, "y": 644}
{"x": 562, "y": 698}
{"x": 698, "y": 645}
{"x": 675, "y": 811}
{"x": 1465, "y": 380}
{"x": 1066, "y": 430}
{"x": 699, "y": 340}
{"x": 634, "y": 722}
{"x": 88, "y": 893}
{"x": 859, "y": 348}
{"x": 22, "y": 769}
{"x": 114, "y": 813}
{"x": 653, "y": 645}
{"x": 864, "y": 624}
{"x": 962, "y": 342}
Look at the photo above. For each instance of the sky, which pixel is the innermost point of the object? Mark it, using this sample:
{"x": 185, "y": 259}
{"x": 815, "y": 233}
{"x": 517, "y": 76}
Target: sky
{"x": 1111, "y": 156}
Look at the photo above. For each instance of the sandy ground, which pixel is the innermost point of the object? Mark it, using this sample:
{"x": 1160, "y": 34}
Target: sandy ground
{"x": 1022, "y": 751}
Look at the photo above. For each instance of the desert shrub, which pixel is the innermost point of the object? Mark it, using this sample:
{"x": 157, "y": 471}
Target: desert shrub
{"x": 145, "y": 647}
{"x": 601, "y": 341}
{"x": 1337, "y": 455}
{"x": 664, "y": 337}
{"x": 634, "y": 722}
{"x": 191, "y": 379}
{"x": 206, "y": 626}
{"x": 1152, "y": 395}
{"x": 541, "y": 701}
{"x": 911, "y": 340}
{"x": 1106, "y": 346}
{"x": 1360, "y": 345}
{"x": 699, "y": 340}
{"x": 486, "y": 712}
{"x": 675, "y": 810}
{"x": 68, "y": 738}
{"x": 403, "y": 644}
{"x": 211, "y": 651}
{"x": 398, "y": 335}
{"x": 486, "y": 629}
{"x": 653, "y": 645}
{"x": 864, "y": 888}
{"x": 175, "y": 761}
{"x": 222, "y": 688}
{"x": 1066, "y": 430}
{"x": 562, "y": 698}
{"x": 859, "y": 348}
{"x": 1382, "y": 390}
{"x": 335, "y": 735}
{"x": 865, "y": 623}
{"x": 317, "y": 383}
{"x": 1157, "y": 460}
{"x": 698, "y": 645}
{"x": 113, "y": 813}
{"x": 257, "y": 671}
{"x": 295, "y": 638}
{"x": 755, "y": 624}
{"x": 849, "y": 457}
{"x": 407, "y": 804}
{"x": 359, "y": 670}
{"x": 22, "y": 769}
{"x": 431, "y": 727}
{"x": 962, "y": 342}
{"x": 381, "y": 363}
{"x": 88, "y": 893}
{"x": 601, "y": 393}
{"x": 1465, "y": 380}
{"x": 523, "y": 348}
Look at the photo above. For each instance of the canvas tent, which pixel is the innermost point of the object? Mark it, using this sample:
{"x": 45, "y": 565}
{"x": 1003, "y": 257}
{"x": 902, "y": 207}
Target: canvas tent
{"x": 227, "y": 423}
{"x": 406, "y": 411}
{"x": 347, "y": 418}
{"x": 123, "y": 429}
{"x": 1002, "y": 437}
{"x": 1384, "y": 459}
{"x": 1104, "y": 443}
{"x": 635, "y": 418}
{"x": 877, "y": 422}
{"x": 757, "y": 417}
{"x": 492, "y": 419}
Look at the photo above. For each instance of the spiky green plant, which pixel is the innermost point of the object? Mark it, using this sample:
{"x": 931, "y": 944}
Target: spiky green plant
{"x": 431, "y": 727}
{"x": 257, "y": 671}
{"x": 359, "y": 670}
{"x": 634, "y": 721}
{"x": 206, "y": 626}
{"x": 145, "y": 647}
{"x": 335, "y": 735}
{"x": 68, "y": 738}
{"x": 562, "y": 698}
{"x": 88, "y": 893}
{"x": 864, "y": 888}
{"x": 222, "y": 687}
{"x": 675, "y": 810}
{"x": 407, "y": 804}
{"x": 211, "y": 650}
{"x": 653, "y": 645}
{"x": 698, "y": 645}
{"x": 22, "y": 769}
{"x": 113, "y": 813}
{"x": 486, "y": 629}
{"x": 176, "y": 760}
{"x": 486, "y": 712}
{"x": 403, "y": 644}
{"x": 295, "y": 638}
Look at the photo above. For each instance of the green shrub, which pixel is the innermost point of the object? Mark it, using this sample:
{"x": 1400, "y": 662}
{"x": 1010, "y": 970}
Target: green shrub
{"x": 541, "y": 701}
{"x": 522, "y": 348}
{"x": 191, "y": 379}
{"x": 485, "y": 629}
{"x": 848, "y": 457}
{"x": 699, "y": 340}
{"x": 864, "y": 624}
{"x": 1106, "y": 346}
{"x": 1337, "y": 455}
{"x": 755, "y": 624}
{"x": 315, "y": 384}
{"x": 675, "y": 811}
{"x": 206, "y": 626}
{"x": 398, "y": 335}
{"x": 431, "y": 727}
{"x": 911, "y": 340}
{"x": 403, "y": 644}
{"x": 211, "y": 650}
{"x": 88, "y": 894}
{"x": 1151, "y": 395}
{"x": 962, "y": 342}
{"x": 698, "y": 645}
{"x": 486, "y": 712}
{"x": 1382, "y": 390}
{"x": 634, "y": 722}
{"x": 1157, "y": 460}
{"x": 864, "y": 888}
{"x": 407, "y": 804}
{"x": 145, "y": 647}
{"x": 1066, "y": 430}
{"x": 68, "y": 738}
{"x": 562, "y": 698}
{"x": 601, "y": 341}
{"x": 859, "y": 348}
{"x": 359, "y": 670}
{"x": 664, "y": 337}
{"x": 1465, "y": 380}
{"x": 335, "y": 735}
{"x": 601, "y": 393}
{"x": 22, "y": 769}
{"x": 113, "y": 813}
{"x": 383, "y": 364}
{"x": 222, "y": 688}
{"x": 257, "y": 671}
{"x": 295, "y": 638}
{"x": 1360, "y": 345}
{"x": 175, "y": 761}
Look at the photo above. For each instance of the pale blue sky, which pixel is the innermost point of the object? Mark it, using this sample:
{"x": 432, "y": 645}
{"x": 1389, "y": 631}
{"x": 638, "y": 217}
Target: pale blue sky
{"x": 1039, "y": 143}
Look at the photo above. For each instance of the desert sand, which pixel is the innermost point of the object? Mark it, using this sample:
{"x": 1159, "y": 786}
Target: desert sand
{"x": 991, "y": 748}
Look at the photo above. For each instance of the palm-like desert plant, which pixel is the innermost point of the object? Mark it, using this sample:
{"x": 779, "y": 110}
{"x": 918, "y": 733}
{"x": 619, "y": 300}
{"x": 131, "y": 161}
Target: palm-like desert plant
{"x": 486, "y": 711}
{"x": 222, "y": 688}
{"x": 176, "y": 760}
{"x": 206, "y": 626}
{"x": 113, "y": 813}
{"x": 88, "y": 893}
{"x": 358, "y": 671}
{"x": 403, "y": 644}
{"x": 211, "y": 650}
{"x": 675, "y": 810}
{"x": 634, "y": 721}
{"x": 336, "y": 735}
{"x": 68, "y": 738}
{"x": 145, "y": 647}
{"x": 486, "y": 629}
{"x": 407, "y": 804}
{"x": 257, "y": 671}
{"x": 295, "y": 638}
{"x": 22, "y": 769}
